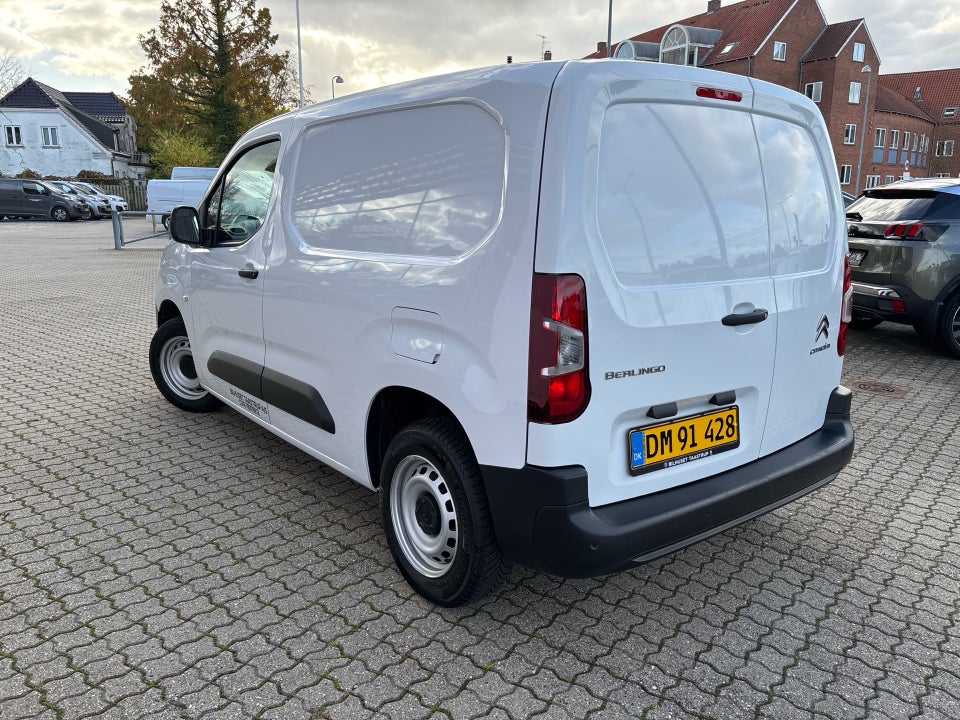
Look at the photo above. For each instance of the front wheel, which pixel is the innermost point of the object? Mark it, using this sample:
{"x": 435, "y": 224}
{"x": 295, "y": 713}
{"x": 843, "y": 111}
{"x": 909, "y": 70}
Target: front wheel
{"x": 171, "y": 364}
{"x": 950, "y": 326}
{"x": 435, "y": 514}
{"x": 60, "y": 214}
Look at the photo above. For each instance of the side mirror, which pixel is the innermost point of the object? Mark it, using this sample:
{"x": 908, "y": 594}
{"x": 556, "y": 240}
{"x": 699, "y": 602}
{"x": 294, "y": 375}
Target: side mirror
{"x": 185, "y": 225}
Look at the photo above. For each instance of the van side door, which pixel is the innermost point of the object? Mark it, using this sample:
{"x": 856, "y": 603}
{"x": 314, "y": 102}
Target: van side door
{"x": 225, "y": 277}
{"x": 35, "y": 200}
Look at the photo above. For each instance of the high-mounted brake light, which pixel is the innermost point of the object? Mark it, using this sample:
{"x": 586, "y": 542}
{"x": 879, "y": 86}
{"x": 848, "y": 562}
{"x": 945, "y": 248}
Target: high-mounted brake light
{"x": 846, "y": 307}
{"x": 718, "y": 94}
{"x": 558, "y": 386}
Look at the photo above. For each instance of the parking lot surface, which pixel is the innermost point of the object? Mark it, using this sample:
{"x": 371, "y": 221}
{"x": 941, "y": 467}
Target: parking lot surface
{"x": 159, "y": 564}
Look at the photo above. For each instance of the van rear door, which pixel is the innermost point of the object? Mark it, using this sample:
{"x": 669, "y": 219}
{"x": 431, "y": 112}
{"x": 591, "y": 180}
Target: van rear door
{"x": 660, "y": 202}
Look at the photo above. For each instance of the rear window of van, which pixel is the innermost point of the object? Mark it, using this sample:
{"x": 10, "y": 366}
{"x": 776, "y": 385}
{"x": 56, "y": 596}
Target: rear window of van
{"x": 703, "y": 194}
{"x": 423, "y": 182}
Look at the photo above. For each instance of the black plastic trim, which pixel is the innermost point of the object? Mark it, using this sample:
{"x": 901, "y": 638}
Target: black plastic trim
{"x": 286, "y": 393}
{"x": 658, "y": 412}
{"x": 239, "y": 372}
{"x": 543, "y": 520}
{"x": 298, "y": 398}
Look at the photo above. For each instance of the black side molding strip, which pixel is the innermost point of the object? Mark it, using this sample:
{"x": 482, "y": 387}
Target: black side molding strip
{"x": 237, "y": 371}
{"x": 297, "y": 398}
{"x": 293, "y": 396}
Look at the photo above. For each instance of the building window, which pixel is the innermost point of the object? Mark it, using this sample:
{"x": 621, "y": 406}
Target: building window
{"x": 916, "y": 138}
{"x": 51, "y": 137}
{"x": 881, "y": 138}
{"x": 944, "y": 148}
{"x": 858, "y": 51}
{"x": 906, "y": 141}
{"x": 13, "y": 134}
{"x": 854, "y": 97}
{"x": 728, "y": 47}
{"x": 950, "y": 112}
{"x": 779, "y": 50}
{"x": 845, "y": 174}
{"x": 894, "y": 139}
{"x": 849, "y": 134}
{"x": 887, "y": 179}
{"x": 873, "y": 181}
{"x": 814, "y": 91}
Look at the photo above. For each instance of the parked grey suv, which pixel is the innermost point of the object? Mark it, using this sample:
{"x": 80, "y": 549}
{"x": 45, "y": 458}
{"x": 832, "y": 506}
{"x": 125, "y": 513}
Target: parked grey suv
{"x": 904, "y": 243}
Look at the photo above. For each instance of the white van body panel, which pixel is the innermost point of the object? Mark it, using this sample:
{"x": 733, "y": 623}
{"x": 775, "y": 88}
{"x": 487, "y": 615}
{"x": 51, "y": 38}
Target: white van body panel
{"x": 451, "y": 320}
{"x": 663, "y": 169}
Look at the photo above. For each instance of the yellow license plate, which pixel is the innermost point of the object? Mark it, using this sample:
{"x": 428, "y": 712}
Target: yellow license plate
{"x": 677, "y": 442}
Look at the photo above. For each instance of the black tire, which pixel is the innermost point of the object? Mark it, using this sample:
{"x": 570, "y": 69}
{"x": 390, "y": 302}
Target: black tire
{"x": 87, "y": 215}
{"x": 171, "y": 364}
{"x": 864, "y": 323}
{"x": 165, "y": 221}
{"x": 435, "y": 514}
{"x": 949, "y": 334}
{"x": 60, "y": 214}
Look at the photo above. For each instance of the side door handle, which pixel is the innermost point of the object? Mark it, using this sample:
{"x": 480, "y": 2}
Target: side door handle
{"x": 248, "y": 274}
{"x": 750, "y": 318}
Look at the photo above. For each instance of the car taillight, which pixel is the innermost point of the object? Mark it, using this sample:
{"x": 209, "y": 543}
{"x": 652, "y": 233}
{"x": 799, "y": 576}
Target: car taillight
{"x": 558, "y": 386}
{"x": 915, "y": 231}
{"x": 846, "y": 307}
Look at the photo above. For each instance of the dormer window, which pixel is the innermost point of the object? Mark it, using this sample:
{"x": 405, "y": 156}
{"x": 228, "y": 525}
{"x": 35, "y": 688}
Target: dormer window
{"x": 950, "y": 112}
{"x": 687, "y": 45}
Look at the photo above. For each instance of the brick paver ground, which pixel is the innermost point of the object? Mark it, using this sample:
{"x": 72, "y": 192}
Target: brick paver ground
{"x": 159, "y": 564}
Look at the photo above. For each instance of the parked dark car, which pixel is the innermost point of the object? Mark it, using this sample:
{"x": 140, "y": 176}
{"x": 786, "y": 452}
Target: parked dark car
{"x": 33, "y": 198}
{"x": 904, "y": 243}
{"x": 99, "y": 207}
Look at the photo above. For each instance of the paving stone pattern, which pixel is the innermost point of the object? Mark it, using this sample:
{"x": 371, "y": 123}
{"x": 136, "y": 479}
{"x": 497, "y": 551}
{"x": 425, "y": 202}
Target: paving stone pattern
{"x": 159, "y": 564}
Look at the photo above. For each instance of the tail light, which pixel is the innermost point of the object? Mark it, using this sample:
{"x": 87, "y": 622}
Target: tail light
{"x": 558, "y": 386}
{"x": 915, "y": 231}
{"x": 846, "y": 307}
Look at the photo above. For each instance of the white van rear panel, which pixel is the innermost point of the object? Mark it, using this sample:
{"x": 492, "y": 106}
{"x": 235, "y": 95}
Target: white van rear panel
{"x": 679, "y": 210}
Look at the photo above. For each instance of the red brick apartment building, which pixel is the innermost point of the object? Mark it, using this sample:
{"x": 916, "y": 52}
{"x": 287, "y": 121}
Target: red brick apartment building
{"x": 881, "y": 126}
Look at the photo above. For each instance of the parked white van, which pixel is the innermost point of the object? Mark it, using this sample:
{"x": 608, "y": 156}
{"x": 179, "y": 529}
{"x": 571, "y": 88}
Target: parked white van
{"x": 164, "y": 195}
{"x": 569, "y": 315}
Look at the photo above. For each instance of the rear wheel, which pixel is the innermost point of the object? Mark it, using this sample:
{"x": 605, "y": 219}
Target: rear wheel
{"x": 435, "y": 514}
{"x": 950, "y": 326}
{"x": 60, "y": 214}
{"x": 171, "y": 364}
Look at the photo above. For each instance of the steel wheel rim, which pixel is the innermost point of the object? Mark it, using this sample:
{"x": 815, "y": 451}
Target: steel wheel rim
{"x": 176, "y": 366}
{"x": 417, "y": 484}
{"x": 955, "y": 326}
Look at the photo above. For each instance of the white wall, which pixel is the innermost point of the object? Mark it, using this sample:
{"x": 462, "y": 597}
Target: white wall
{"x": 77, "y": 150}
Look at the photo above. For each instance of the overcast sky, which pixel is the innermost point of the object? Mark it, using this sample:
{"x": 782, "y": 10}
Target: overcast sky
{"x": 78, "y": 45}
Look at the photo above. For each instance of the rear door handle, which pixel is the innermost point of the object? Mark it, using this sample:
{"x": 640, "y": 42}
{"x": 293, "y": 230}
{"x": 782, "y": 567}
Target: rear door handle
{"x": 248, "y": 274}
{"x": 750, "y": 318}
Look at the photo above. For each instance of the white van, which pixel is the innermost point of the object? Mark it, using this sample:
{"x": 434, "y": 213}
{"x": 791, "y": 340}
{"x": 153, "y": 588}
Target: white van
{"x": 164, "y": 195}
{"x": 568, "y": 315}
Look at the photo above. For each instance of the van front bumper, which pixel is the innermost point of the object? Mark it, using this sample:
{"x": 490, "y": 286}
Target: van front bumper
{"x": 544, "y": 521}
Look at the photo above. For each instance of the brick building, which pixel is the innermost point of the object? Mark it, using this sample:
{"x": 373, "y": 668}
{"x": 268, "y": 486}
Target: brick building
{"x": 877, "y": 129}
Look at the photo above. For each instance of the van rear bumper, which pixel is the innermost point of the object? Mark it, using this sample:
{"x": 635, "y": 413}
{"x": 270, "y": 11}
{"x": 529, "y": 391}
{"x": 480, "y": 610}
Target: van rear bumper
{"x": 543, "y": 520}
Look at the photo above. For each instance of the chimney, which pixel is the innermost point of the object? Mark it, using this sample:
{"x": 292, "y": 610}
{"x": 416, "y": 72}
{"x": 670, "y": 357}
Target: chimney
{"x": 601, "y": 46}
{"x": 713, "y": 6}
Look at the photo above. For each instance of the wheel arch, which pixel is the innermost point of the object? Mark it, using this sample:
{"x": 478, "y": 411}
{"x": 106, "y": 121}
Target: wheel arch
{"x": 392, "y": 409}
{"x": 167, "y": 311}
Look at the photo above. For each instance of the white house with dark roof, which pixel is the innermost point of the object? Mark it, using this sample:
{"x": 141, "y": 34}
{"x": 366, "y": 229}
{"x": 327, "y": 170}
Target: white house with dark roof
{"x": 60, "y": 134}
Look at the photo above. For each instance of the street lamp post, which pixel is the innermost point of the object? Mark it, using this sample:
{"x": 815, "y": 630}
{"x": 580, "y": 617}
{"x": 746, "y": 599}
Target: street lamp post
{"x": 299, "y": 55}
{"x": 866, "y": 69}
{"x": 333, "y": 80}
{"x": 609, "y": 27}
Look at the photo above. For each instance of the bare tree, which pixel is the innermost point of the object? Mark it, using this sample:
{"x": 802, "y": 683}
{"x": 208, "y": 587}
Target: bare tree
{"x": 12, "y": 72}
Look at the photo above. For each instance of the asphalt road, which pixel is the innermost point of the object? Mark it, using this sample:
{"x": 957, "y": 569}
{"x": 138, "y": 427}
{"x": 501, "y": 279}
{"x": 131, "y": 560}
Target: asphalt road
{"x": 159, "y": 564}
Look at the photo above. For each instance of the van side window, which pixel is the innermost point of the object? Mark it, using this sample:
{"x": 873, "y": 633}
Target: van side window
{"x": 32, "y": 188}
{"x": 238, "y": 205}
{"x": 422, "y": 182}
